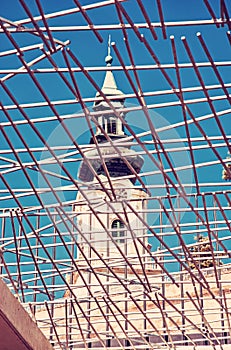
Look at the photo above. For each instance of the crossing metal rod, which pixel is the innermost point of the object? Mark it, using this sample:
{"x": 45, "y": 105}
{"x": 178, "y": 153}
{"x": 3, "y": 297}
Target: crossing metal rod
{"x": 37, "y": 235}
{"x": 112, "y": 27}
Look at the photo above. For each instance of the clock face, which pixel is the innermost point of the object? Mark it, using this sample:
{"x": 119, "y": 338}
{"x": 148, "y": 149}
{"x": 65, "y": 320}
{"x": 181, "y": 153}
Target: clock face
{"x": 109, "y": 206}
{"x": 121, "y": 193}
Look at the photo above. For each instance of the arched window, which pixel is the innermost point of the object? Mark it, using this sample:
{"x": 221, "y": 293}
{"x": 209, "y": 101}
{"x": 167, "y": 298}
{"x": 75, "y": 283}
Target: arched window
{"x": 118, "y": 231}
{"x": 112, "y": 126}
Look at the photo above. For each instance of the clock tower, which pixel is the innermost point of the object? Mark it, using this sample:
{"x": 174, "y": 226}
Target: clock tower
{"x": 111, "y": 206}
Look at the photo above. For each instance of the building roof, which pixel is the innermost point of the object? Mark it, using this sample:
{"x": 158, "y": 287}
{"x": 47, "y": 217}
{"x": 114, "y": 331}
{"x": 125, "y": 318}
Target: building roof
{"x": 109, "y": 87}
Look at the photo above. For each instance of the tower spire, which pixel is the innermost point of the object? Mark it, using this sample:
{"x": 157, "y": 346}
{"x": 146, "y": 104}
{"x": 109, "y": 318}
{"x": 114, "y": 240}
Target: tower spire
{"x": 109, "y": 87}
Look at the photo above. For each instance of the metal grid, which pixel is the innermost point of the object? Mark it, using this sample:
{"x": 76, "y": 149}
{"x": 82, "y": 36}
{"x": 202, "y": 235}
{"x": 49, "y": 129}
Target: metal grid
{"x": 161, "y": 297}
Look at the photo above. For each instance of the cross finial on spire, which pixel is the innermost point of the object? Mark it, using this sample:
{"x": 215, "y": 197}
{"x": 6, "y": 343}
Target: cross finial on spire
{"x": 109, "y": 45}
{"x": 109, "y": 58}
